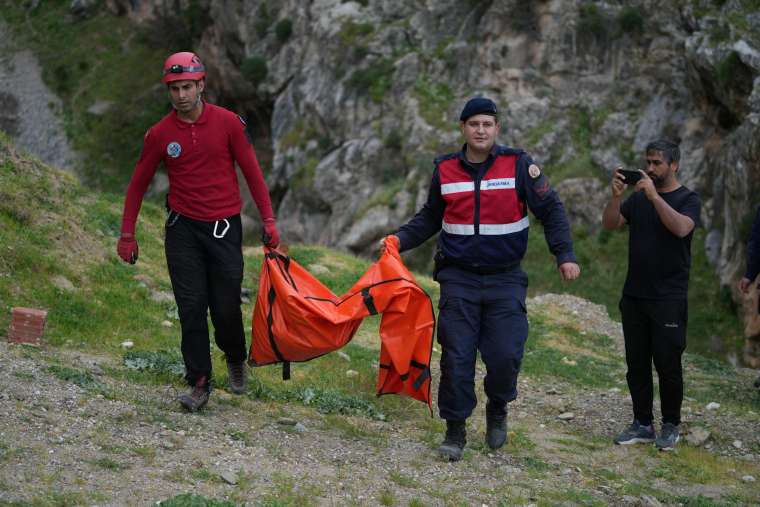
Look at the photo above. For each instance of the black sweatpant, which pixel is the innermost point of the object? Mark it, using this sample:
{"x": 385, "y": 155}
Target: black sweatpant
{"x": 654, "y": 330}
{"x": 206, "y": 274}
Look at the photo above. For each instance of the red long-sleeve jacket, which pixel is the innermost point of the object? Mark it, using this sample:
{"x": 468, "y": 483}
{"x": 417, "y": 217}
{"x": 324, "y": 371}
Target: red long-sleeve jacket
{"x": 200, "y": 160}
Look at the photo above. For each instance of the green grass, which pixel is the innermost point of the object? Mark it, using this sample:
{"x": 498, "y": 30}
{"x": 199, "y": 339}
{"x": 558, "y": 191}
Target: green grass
{"x": 284, "y": 492}
{"x": 374, "y": 80}
{"x": 602, "y": 369}
{"x": 107, "y": 464}
{"x": 434, "y": 100}
{"x": 96, "y": 58}
{"x": 78, "y": 377}
{"x": 190, "y": 500}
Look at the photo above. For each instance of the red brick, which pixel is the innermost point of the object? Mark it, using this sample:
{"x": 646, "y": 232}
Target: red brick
{"x": 31, "y": 312}
{"x": 27, "y": 325}
{"x": 24, "y": 325}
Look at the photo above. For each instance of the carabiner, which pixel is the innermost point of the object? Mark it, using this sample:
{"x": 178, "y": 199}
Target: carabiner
{"x": 226, "y": 228}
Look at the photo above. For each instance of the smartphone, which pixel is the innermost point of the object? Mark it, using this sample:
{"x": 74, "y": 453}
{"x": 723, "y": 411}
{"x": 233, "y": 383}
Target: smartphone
{"x": 630, "y": 177}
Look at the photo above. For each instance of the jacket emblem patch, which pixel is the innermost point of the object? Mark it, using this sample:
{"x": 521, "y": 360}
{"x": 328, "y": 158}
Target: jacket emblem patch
{"x": 174, "y": 149}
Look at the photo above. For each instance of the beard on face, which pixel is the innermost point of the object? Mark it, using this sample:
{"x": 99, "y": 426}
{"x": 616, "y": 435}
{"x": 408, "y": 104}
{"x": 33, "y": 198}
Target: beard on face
{"x": 656, "y": 179}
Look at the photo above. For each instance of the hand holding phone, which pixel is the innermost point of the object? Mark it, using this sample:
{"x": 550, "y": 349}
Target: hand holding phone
{"x": 630, "y": 177}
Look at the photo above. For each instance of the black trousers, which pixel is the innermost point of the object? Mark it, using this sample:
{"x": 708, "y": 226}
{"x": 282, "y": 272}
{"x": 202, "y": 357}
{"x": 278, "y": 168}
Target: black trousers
{"x": 483, "y": 313}
{"x": 655, "y": 331}
{"x": 206, "y": 274}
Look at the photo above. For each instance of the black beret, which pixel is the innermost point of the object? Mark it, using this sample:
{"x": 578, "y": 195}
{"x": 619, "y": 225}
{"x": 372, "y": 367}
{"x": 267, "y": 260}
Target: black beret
{"x": 478, "y": 105}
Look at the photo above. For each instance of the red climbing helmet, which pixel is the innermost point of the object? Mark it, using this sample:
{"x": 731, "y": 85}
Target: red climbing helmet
{"x": 184, "y": 65}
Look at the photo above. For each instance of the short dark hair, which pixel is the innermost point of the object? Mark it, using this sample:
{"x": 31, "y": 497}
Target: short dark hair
{"x": 669, "y": 150}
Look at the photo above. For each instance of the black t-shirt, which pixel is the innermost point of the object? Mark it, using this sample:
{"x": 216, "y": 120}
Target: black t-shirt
{"x": 658, "y": 260}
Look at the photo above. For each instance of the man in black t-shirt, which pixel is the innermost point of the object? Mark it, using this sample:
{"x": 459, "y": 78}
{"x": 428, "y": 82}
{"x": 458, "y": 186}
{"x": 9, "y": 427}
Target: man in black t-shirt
{"x": 661, "y": 215}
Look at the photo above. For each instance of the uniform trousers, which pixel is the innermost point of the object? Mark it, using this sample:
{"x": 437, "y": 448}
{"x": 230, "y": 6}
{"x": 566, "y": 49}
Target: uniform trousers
{"x": 485, "y": 313}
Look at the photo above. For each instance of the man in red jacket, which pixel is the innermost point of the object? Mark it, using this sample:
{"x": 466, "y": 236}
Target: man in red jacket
{"x": 199, "y": 144}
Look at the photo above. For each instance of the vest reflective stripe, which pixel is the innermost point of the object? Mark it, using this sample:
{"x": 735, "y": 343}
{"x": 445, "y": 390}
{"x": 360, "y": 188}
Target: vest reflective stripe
{"x": 492, "y": 184}
{"x": 487, "y": 229}
{"x": 498, "y": 229}
{"x": 453, "y": 188}
{"x": 497, "y": 184}
{"x": 461, "y": 229}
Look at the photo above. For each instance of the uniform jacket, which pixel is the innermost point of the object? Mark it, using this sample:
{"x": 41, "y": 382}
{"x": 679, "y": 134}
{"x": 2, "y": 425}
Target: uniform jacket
{"x": 482, "y": 212}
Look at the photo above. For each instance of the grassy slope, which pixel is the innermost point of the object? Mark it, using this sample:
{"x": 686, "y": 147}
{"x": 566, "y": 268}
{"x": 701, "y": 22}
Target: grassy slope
{"x": 100, "y": 58}
{"x": 50, "y": 226}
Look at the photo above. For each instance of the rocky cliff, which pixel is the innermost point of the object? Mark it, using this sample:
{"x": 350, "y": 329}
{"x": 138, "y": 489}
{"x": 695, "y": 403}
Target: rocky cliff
{"x": 357, "y": 97}
{"x": 349, "y": 101}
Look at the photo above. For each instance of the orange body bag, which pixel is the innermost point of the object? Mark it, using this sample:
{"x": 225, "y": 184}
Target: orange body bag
{"x": 296, "y": 318}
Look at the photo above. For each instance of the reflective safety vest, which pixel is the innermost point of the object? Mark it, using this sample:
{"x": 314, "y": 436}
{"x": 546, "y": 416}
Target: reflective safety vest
{"x": 485, "y": 222}
{"x": 494, "y": 209}
{"x": 296, "y": 318}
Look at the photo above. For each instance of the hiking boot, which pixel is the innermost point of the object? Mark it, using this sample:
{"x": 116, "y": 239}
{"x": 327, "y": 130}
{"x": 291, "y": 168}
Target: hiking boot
{"x": 669, "y": 437}
{"x": 757, "y": 382}
{"x": 636, "y": 433}
{"x": 197, "y": 397}
{"x": 496, "y": 427}
{"x": 238, "y": 377}
{"x": 453, "y": 444}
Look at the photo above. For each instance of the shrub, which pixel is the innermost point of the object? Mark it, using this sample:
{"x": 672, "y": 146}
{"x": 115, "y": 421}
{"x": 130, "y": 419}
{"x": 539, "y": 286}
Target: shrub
{"x": 263, "y": 21}
{"x": 254, "y": 69}
{"x": 592, "y": 23}
{"x": 350, "y": 31}
{"x": 727, "y": 69}
{"x": 630, "y": 20}
{"x": 283, "y": 30}
{"x": 375, "y": 80}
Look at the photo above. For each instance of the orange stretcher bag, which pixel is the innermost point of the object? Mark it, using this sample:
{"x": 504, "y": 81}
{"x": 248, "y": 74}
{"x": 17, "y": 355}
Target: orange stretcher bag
{"x": 296, "y": 318}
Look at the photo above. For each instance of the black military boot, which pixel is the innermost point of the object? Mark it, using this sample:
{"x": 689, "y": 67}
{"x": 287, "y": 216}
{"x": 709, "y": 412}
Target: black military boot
{"x": 453, "y": 444}
{"x": 197, "y": 397}
{"x": 238, "y": 377}
{"x": 496, "y": 426}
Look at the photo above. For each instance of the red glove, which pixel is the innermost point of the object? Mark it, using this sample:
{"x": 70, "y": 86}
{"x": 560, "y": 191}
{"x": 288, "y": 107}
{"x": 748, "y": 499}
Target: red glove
{"x": 127, "y": 248}
{"x": 270, "y": 236}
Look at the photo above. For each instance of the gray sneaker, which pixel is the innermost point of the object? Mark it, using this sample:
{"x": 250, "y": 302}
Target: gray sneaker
{"x": 668, "y": 438}
{"x": 636, "y": 434}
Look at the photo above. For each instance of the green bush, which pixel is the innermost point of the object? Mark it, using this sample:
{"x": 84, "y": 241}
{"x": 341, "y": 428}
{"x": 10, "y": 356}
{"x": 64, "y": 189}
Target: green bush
{"x": 254, "y": 69}
{"x": 434, "y": 100}
{"x": 630, "y": 20}
{"x": 283, "y": 30}
{"x": 727, "y": 69}
{"x": 592, "y": 24}
{"x": 375, "y": 80}
{"x": 263, "y": 21}
{"x": 350, "y": 31}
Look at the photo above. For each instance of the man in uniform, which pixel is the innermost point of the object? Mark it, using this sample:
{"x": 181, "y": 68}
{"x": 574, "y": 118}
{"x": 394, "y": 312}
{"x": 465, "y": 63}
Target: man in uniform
{"x": 199, "y": 144}
{"x": 479, "y": 196}
{"x": 661, "y": 215}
